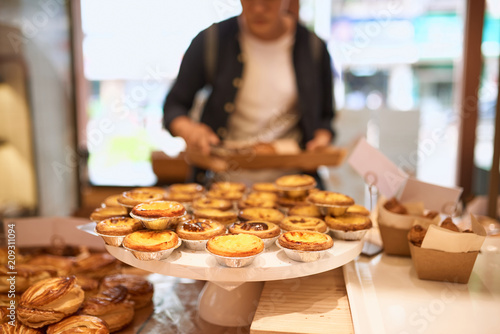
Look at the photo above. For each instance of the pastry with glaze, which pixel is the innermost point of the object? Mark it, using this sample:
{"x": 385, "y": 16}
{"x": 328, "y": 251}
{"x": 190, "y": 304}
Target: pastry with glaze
{"x": 79, "y": 324}
{"x": 96, "y": 265}
{"x": 139, "y": 289}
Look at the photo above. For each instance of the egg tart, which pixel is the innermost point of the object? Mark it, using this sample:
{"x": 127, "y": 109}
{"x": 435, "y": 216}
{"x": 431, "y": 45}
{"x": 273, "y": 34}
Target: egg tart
{"x": 292, "y": 223}
{"x": 182, "y": 197}
{"x": 265, "y": 187}
{"x": 200, "y": 229}
{"x": 230, "y": 195}
{"x": 79, "y": 324}
{"x": 288, "y": 202}
{"x": 256, "y": 203}
{"x": 186, "y": 188}
{"x": 349, "y": 222}
{"x": 118, "y": 226}
{"x": 112, "y": 201}
{"x": 229, "y": 186}
{"x": 108, "y": 212}
{"x": 265, "y": 214}
{"x": 212, "y": 203}
{"x": 48, "y": 301}
{"x": 151, "y": 241}
{"x": 305, "y": 240}
{"x": 155, "y": 190}
{"x": 359, "y": 209}
{"x": 262, "y": 229}
{"x": 139, "y": 289}
{"x": 262, "y": 195}
{"x": 324, "y": 197}
{"x": 235, "y": 245}
{"x": 305, "y": 210}
{"x": 134, "y": 197}
{"x": 223, "y": 217}
{"x": 295, "y": 182}
{"x": 159, "y": 209}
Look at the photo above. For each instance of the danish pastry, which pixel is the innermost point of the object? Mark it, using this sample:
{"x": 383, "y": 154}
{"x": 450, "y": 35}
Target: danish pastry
{"x": 139, "y": 289}
{"x": 151, "y": 241}
{"x": 26, "y": 276}
{"x": 305, "y": 240}
{"x": 112, "y": 306}
{"x": 200, "y": 229}
{"x": 300, "y": 223}
{"x": 118, "y": 226}
{"x": 235, "y": 245}
{"x": 159, "y": 209}
{"x": 19, "y": 328}
{"x": 265, "y": 214}
{"x": 79, "y": 324}
{"x": 262, "y": 229}
{"x": 62, "y": 265}
{"x": 48, "y": 301}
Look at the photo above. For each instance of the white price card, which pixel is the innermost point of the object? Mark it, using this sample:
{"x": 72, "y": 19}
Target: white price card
{"x": 377, "y": 169}
{"x": 434, "y": 197}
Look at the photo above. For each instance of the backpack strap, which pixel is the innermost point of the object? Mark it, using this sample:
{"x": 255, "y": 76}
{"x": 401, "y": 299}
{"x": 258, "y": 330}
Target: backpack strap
{"x": 210, "y": 55}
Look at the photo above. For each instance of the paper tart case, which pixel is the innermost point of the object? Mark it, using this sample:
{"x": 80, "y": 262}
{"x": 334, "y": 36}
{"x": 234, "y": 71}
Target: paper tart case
{"x": 156, "y": 255}
{"x": 348, "y": 235}
{"x": 303, "y": 256}
{"x": 161, "y": 223}
{"x": 234, "y": 262}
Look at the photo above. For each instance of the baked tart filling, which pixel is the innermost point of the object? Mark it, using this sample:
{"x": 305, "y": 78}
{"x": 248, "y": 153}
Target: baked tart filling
{"x": 305, "y": 240}
{"x": 301, "y": 223}
{"x": 292, "y": 182}
{"x": 159, "y": 209}
{"x": 265, "y": 214}
{"x": 118, "y": 226}
{"x": 330, "y": 198}
{"x": 235, "y": 245}
{"x": 349, "y": 222}
{"x": 200, "y": 229}
{"x": 262, "y": 229}
{"x": 151, "y": 241}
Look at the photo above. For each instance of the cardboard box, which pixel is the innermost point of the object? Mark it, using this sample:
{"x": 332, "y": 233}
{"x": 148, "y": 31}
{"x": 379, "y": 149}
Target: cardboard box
{"x": 395, "y": 240}
{"x": 437, "y": 265}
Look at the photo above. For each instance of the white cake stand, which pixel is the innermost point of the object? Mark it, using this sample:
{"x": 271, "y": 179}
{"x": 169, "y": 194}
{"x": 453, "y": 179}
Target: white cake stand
{"x": 231, "y": 295}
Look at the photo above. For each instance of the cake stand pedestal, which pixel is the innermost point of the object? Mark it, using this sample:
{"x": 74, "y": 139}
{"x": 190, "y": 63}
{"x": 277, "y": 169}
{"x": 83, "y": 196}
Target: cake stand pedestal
{"x": 231, "y": 295}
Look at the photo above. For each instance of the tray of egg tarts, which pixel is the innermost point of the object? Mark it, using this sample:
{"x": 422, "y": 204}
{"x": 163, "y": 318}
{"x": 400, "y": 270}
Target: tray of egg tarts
{"x": 232, "y": 222}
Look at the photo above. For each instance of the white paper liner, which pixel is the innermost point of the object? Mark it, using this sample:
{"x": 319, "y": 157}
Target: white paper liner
{"x": 302, "y": 256}
{"x": 234, "y": 262}
{"x": 150, "y": 256}
{"x": 348, "y": 235}
{"x": 400, "y": 221}
{"x": 161, "y": 223}
{"x": 112, "y": 240}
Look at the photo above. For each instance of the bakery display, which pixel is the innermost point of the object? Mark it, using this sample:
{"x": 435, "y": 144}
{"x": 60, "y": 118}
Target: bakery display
{"x": 158, "y": 209}
{"x": 223, "y": 217}
{"x": 300, "y": 223}
{"x": 212, "y": 203}
{"x": 79, "y": 324}
{"x": 200, "y": 229}
{"x": 265, "y": 214}
{"x": 48, "y": 301}
{"x": 108, "y": 212}
{"x": 112, "y": 307}
{"x": 262, "y": 229}
{"x": 235, "y": 245}
{"x": 139, "y": 289}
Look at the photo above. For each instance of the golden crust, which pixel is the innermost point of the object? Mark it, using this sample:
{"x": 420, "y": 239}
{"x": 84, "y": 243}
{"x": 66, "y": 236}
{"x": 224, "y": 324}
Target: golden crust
{"x": 349, "y": 222}
{"x": 288, "y": 202}
{"x": 27, "y": 274}
{"x": 186, "y": 188}
{"x": 300, "y": 223}
{"x": 262, "y": 195}
{"x": 200, "y": 229}
{"x": 359, "y": 209}
{"x": 112, "y": 201}
{"x": 108, "y": 212}
{"x": 235, "y": 245}
{"x": 223, "y": 217}
{"x": 151, "y": 241}
{"x": 48, "y": 301}
{"x": 96, "y": 265}
{"x": 230, "y": 195}
{"x": 111, "y": 306}
{"x": 118, "y": 226}
{"x": 229, "y": 186}
{"x": 134, "y": 197}
{"x": 295, "y": 181}
{"x": 212, "y": 203}
{"x": 262, "y": 214}
{"x": 305, "y": 210}
{"x": 62, "y": 265}
{"x": 305, "y": 240}
{"x": 448, "y": 224}
{"x": 330, "y": 198}
{"x": 262, "y": 229}
{"x": 159, "y": 209}
{"x": 79, "y": 324}
{"x": 19, "y": 328}
{"x": 182, "y": 197}
{"x": 265, "y": 187}
{"x": 139, "y": 289}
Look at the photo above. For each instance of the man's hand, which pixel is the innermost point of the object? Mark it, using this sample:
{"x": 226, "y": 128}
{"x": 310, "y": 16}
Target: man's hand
{"x": 322, "y": 138}
{"x": 198, "y": 136}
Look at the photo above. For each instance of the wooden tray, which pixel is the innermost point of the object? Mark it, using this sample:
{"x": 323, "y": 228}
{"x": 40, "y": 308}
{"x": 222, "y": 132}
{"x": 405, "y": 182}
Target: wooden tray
{"x": 307, "y": 161}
